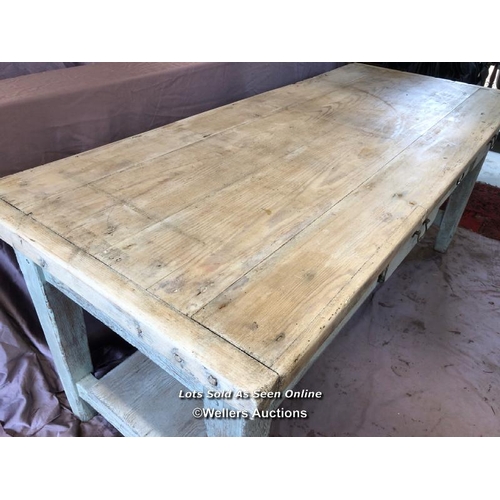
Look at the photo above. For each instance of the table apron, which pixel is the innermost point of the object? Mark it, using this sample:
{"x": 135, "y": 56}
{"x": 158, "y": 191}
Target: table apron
{"x": 434, "y": 217}
{"x": 124, "y": 333}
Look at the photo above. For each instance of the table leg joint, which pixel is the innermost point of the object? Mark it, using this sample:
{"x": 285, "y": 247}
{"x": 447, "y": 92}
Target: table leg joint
{"x": 64, "y": 328}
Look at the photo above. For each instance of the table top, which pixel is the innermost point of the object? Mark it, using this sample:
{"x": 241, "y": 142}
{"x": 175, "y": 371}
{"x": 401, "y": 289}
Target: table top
{"x": 235, "y": 241}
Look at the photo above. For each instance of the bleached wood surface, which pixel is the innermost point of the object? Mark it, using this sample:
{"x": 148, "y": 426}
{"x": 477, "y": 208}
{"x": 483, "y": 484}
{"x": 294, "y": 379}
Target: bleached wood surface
{"x": 140, "y": 399}
{"x": 233, "y": 243}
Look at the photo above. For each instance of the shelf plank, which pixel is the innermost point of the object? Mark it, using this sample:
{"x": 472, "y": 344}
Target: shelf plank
{"x": 140, "y": 399}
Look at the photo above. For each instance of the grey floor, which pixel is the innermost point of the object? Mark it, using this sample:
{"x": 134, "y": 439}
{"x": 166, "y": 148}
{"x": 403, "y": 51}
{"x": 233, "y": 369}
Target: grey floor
{"x": 490, "y": 172}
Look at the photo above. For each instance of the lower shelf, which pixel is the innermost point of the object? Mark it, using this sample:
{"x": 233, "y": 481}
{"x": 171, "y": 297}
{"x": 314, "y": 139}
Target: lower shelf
{"x": 140, "y": 399}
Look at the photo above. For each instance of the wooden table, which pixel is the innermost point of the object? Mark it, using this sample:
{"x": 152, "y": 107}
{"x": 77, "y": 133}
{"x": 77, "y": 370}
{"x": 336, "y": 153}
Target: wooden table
{"x": 232, "y": 246}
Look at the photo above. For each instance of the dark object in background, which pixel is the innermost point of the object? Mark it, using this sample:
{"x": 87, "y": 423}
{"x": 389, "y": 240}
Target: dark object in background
{"x": 467, "y": 72}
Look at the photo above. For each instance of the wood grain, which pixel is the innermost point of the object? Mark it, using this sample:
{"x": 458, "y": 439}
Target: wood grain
{"x": 284, "y": 308}
{"x": 277, "y": 176}
{"x": 70, "y": 173}
{"x": 141, "y": 400}
{"x": 238, "y": 240}
{"x": 240, "y": 225}
{"x": 181, "y": 346}
{"x": 64, "y": 328}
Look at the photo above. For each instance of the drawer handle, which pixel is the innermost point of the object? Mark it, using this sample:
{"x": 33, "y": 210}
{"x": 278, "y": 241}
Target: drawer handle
{"x": 420, "y": 234}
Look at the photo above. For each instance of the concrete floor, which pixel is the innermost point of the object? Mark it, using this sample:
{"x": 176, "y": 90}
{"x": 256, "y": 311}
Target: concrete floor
{"x": 490, "y": 172}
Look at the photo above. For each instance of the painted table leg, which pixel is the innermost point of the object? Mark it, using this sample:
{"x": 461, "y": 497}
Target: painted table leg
{"x": 455, "y": 208}
{"x": 63, "y": 324}
{"x": 234, "y": 427}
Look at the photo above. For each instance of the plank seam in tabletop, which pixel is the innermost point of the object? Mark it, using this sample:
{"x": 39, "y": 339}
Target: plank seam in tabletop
{"x": 321, "y": 316}
{"x": 192, "y": 202}
{"x": 173, "y": 270}
{"x": 205, "y": 137}
{"x": 192, "y": 122}
{"x": 75, "y": 263}
{"x": 166, "y": 304}
{"x": 91, "y": 184}
{"x": 280, "y": 109}
{"x": 450, "y": 172}
{"x": 355, "y": 188}
{"x": 192, "y": 119}
{"x": 17, "y": 241}
{"x": 221, "y": 337}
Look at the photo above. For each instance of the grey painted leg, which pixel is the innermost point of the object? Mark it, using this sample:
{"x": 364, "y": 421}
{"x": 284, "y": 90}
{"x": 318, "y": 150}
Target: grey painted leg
{"x": 64, "y": 328}
{"x": 227, "y": 427}
{"x": 455, "y": 208}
